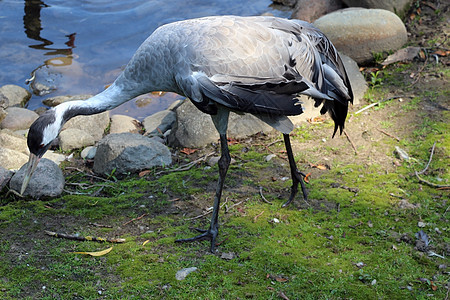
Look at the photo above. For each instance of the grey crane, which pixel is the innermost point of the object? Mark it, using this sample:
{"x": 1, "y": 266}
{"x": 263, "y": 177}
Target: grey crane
{"x": 254, "y": 65}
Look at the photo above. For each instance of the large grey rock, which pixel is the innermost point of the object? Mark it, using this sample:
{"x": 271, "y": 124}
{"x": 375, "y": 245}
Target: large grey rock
{"x": 396, "y": 6}
{"x": 18, "y": 118}
{"x": 13, "y": 141}
{"x": 46, "y": 181}
{"x": 310, "y": 11}
{"x": 196, "y": 129}
{"x": 360, "y": 32}
{"x": 129, "y": 152}
{"x": 16, "y": 95}
{"x": 160, "y": 121}
{"x": 5, "y": 177}
{"x": 73, "y": 138}
{"x": 95, "y": 125}
{"x": 121, "y": 123}
{"x": 12, "y": 159}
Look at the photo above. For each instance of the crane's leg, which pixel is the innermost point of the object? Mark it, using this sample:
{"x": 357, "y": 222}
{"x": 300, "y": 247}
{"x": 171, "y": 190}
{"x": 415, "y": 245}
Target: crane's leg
{"x": 213, "y": 231}
{"x": 297, "y": 176}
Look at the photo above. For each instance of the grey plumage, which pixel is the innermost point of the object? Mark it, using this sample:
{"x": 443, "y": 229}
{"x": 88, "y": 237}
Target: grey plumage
{"x": 254, "y": 65}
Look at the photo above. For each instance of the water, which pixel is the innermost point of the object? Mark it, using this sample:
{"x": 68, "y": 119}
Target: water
{"x": 83, "y": 45}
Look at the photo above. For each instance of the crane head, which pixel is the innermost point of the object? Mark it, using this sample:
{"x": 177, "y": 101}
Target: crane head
{"x": 40, "y": 136}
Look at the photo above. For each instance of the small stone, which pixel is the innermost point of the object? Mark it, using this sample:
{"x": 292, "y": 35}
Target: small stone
{"x": 88, "y": 152}
{"x": 421, "y": 224}
{"x": 360, "y": 264}
{"x": 227, "y": 256}
{"x": 182, "y": 274}
{"x": 400, "y": 153}
{"x": 270, "y": 156}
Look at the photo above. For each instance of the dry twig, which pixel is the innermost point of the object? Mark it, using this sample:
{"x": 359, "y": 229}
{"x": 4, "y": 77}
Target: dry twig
{"x": 187, "y": 166}
{"x": 135, "y": 219}
{"x": 262, "y": 196}
{"x": 82, "y": 238}
{"x": 441, "y": 186}
{"x": 389, "y": 135}
{"x": 351, "y": 142}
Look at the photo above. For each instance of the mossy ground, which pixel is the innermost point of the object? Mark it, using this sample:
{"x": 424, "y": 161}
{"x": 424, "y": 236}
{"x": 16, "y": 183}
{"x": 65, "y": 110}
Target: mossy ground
{"x": 354, "y": 239}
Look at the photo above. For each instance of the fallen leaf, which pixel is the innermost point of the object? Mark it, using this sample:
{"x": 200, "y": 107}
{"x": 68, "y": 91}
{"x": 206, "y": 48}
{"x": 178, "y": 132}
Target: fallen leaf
{"x": 98, "y": 253}
{"x": 281, "y": 279}
{"x": 143, "y": 173}
{"x": 306, "y": 178}
{"x": 282, "y": 296}
{"x": 442, "y": 52}
{"x": 188, "y": 151}
{"x": 402, "y": 55}
{"x": 319, "y": 166}
{"x": 144, "y": 243}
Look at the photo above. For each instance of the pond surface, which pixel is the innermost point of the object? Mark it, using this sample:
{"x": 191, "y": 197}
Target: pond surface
{"x": 79, "y": 47}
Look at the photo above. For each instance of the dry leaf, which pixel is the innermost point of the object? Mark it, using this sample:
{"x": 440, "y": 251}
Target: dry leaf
{"x": 188, "y": 151}
{"x": 442, "y": 52}
{"x": 144, "y": 243}
{"x": 402, "y": 55}
{"x": 306, "y": 178}
{"x": 143, "y": 173}
{"x": 98, "y": 253}
{"x": 319, "y": 166}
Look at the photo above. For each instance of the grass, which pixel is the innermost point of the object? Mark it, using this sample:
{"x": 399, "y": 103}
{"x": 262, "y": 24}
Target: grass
{"x": 351, "y": 245}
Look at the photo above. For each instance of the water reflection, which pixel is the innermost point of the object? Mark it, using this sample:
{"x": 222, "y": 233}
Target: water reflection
{"x": 33, "y": 28}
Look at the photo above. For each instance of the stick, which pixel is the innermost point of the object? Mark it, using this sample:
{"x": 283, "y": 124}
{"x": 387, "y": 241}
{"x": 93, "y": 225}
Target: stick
{"x": 257, "y": 216}
{"x": 429, "y": 161}
{"x": 135, "y": 219}
{"x": 262, "y": 196}
{"x": 82, "y": 238}
{"x": 89, "y": 175}
{"x": 206, "y": 213}
{"x": 390, "y": 135}
{"x": 379, "y": 102}
{"x": 351, "y": 142}
{"x": 187, "y": 166}
{"x": 100, "y": 225}
{"x": 426, "y": 167}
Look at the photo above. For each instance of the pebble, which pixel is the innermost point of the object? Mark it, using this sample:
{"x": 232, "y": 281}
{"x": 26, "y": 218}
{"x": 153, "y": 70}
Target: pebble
{"x": 182, "y": 274}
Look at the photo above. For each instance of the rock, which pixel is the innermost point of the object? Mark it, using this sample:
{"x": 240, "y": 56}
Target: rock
{"x": 95, "y": 125}
{"x": 289, "y": 3}
{"x": 215, "y": 159}
{"x": 129, "y": 152}
{"x": 55, "y": 157}
{"x": 310, "y": 11}
{"x": 228, "y": 256}
{"x": 360, "y": 32}
{"x": 2, "y": 114}
{"x": 5, "y": 177}
{"x": 357, "y": 81}
{"x": 88, "y": 152}
{"x": 121, "y": 123}
{"x": 17, "y": 96}
{"x": 73, "y": 138}
{"x": 400, "y": 153}
{"x": 18, "y": 118}
{"x": 46, "y": 181}
{"x": 181, "y": 274}
{"x": 14, "y": 142}
{"x": 54, "y": 101}
{"x": 159, "y": 122}
{"x": 396, "y": 6}
{"x": 12, "y": 159}
{"x": 195, "y": 129}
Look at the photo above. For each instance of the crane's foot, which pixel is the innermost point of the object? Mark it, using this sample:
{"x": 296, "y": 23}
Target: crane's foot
{"x": 297, "y": 177}
{"x": 209, "y": 234}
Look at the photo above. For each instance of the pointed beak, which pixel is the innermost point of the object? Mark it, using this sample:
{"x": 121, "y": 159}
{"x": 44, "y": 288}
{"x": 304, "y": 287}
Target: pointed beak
{"x": 32, "y": 164}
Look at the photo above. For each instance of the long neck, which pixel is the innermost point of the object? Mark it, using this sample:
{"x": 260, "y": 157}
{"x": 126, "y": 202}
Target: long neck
{"x": 110, "y": 98}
